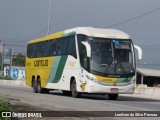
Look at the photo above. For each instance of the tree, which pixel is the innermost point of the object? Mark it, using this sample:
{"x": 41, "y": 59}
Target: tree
{"x": 18, "y": 60}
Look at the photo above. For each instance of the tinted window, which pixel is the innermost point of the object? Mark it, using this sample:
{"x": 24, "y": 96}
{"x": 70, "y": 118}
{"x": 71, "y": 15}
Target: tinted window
{"x": 39, "y": 49}
{"x": 71, "y": 46}
{"x": 29, "y": 51}
{"x": 56, "y": 47}
{"x": 62, "y": 46}
{"x": 34, "y": 51}
{"x": 52, "y": 50}
{"x": 46, "y": 46}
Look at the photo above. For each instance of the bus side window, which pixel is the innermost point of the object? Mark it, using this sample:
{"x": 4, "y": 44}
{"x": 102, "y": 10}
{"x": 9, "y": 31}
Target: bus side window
{"x": 62, "y": 46}
{"x": 46, "y": 46}
{"x": 52, "y": 49}
{"x": 71, "y": 46}
{"x": 83, "y": 57}
{"x": 40, "y": 49}
{"x": 57, "y": 50}
{"x": 34, "y": 51}
{"x": 29, "y": 51}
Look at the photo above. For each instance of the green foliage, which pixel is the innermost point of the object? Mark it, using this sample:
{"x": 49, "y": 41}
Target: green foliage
{"x": 5, "y": 78}
{"x": 19, "y": 60}
{"x": 4, "y": 107}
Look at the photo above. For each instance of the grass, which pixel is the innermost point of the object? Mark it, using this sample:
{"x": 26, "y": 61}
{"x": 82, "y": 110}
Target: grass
{"x": 5, "y": 78}
{"x": 4, "y": 107}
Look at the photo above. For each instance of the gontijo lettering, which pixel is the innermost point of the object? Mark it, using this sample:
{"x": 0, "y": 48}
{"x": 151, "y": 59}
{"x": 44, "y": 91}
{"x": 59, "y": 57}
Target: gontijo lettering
{"x": 40, "y": 63}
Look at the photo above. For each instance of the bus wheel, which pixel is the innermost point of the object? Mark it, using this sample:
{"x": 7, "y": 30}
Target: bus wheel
{"x": 113, "y": 96}
{"x": 34, "y": 85}
{"x": 40, "y": 89}
{"x": 75, "y": 94}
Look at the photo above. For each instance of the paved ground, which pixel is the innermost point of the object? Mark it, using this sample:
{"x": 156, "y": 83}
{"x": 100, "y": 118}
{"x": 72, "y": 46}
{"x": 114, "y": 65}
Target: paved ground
{"x": 55, "y": 101}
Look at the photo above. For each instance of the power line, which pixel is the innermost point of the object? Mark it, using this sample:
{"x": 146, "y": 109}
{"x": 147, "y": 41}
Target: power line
{"x": 26, "y": 39}
{"x": 119, "y": 23}
{"x": 8, "y": 39}
{"x": 137, "y": 17}
{"x": 151, "y": 51}
{"x": 49, "y": 17}
{"x": 16, "y": 45}
{"x": 142, "y": 38}
{"x": 35, "y": 34}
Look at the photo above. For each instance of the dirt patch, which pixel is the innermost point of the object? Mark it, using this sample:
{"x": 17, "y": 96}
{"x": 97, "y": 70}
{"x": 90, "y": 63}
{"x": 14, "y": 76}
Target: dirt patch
{"x": 17, "y": 105}
{"x": 20, "y": 106}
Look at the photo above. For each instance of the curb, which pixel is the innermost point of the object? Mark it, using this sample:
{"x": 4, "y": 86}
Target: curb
{"x": 143, "y": 96}
{"x": 12, "y": 82}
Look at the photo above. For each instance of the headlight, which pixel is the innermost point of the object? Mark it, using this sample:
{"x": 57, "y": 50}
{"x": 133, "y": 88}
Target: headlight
{"x": 92, "y": 79}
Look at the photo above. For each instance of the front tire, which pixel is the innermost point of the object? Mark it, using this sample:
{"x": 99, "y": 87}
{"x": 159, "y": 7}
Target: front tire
{"x": 74, "y": 91}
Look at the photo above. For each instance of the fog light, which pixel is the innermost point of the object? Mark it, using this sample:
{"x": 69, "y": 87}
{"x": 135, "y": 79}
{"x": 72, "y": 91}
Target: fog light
{"x": 92, "y": 88}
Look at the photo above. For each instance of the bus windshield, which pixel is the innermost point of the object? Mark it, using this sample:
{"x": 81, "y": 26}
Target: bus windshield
{"x": 111, "y": 57}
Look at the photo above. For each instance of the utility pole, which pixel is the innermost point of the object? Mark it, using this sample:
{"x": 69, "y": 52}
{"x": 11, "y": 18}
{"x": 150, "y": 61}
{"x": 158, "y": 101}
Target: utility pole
{"x": 49, "y": 17}
{"x": 1, "y": 52}
{"x": 10, "y": 62}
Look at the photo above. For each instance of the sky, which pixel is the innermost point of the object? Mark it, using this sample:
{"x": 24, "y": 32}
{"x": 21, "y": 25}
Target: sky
{"x": 22, "y": 20}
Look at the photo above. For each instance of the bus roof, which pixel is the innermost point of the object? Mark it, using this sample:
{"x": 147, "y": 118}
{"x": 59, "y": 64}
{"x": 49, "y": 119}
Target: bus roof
{"x": 89, "y": 31}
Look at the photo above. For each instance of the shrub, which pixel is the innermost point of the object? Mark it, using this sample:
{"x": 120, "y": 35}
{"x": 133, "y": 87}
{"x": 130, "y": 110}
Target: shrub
{"x": 4, "y": 107}
{"x": 5, "y": 78}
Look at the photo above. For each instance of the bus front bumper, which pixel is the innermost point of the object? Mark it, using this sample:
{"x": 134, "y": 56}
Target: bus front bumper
{"x": 101, "y": 89}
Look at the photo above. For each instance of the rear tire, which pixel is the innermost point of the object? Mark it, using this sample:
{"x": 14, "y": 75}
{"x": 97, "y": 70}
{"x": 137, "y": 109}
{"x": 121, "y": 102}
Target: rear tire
{"x": 40, "y": 89}
{"x": 34, "y": 85}
{"x": 113, "y": 96}
{"x": 74, "y": 91}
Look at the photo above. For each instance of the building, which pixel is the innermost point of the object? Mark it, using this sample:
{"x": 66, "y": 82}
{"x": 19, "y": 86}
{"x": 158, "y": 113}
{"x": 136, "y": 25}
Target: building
{"x": 16, "y": 72}
{"x": 149, "y": 77}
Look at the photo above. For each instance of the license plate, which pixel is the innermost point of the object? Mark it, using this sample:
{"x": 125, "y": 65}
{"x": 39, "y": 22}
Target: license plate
{"x": 114, "y": 90}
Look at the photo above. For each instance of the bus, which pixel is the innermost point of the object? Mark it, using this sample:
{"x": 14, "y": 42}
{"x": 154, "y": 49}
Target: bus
{"x": 82, "y": 60}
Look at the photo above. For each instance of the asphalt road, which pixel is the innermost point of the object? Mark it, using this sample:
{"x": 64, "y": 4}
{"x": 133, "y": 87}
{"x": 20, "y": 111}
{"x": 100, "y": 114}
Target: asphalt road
{"x": 57, "y": 102}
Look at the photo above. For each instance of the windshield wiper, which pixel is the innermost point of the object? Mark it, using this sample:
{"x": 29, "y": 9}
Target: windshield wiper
{"x": 98, "y": 73}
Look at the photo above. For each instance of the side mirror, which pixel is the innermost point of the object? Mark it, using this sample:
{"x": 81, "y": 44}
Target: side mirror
{"x": 139, "y": 52}
{"x": 88, "y": 48}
